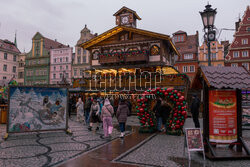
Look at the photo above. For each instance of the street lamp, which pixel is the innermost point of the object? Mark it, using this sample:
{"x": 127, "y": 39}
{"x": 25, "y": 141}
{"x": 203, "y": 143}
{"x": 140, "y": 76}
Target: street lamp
{"x": 208, "y": 17}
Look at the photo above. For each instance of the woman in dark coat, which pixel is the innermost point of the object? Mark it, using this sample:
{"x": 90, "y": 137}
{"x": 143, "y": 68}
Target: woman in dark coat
{"x": 121, "y": 115}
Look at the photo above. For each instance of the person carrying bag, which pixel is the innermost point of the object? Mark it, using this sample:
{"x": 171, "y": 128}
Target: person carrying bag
{"x": 106, "y": 115}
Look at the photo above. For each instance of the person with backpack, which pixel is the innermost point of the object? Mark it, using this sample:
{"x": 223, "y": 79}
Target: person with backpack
{"x": 106, "y": 115}
{"x": 87, "y": 109}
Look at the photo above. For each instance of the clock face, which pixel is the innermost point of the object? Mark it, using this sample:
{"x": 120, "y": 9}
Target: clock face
{"x": 211, "y": 36}
{"x": 125, "y": 20}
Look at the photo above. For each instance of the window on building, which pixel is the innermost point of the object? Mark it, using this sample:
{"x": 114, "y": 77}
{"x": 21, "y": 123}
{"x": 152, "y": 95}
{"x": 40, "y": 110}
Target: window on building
{"x": 14, "y": 58}
{"x": 246, "y": 65}
{"x": 192, "y": 68}
{"x": 244, "y": 41}
{"x": 81, "y": 71}
{"x": 54, "y": 76}
{"x": 188, "y": 56}
{"x": 214, "y": 56}
{"x": 234, "y": 65}
{"x": 182, "y": 38}
{"x": 67, "y": 67}
{"x": 190, "y": 47}
{"x": 75, "y": 72}
{"x": 38, "y": 72}
{"x": 14, "y": 69}
{"x": 20, "y": 75}
{"x": 206, "y": 56}
{"x": 248, "y": 29}
{"x": 244, "y": 53}
{"x": 84, "y": 51}
{"x": 60, "y": 59}
{"x": 66, "y": 75}
{"x": 96, "y": 55}
{"x": 5, "y": 56}
{"x": 235, "y": 54}
{"x": 176, "y": 67}
{"x": 67, "y": 59}
{"x": 4, "y": 77}
{"x": 61, "y": 67}
{"x": 4, "y": 67}
{"x": 79, "y": 59}
{"x": 61, "y": 75}
{"x": 54, "y": 68}
{"x": 54, "y": 60}
{"x": 79, "y": 51}
{"x": 185, "y": 68}
{"x": 84, "y": 59}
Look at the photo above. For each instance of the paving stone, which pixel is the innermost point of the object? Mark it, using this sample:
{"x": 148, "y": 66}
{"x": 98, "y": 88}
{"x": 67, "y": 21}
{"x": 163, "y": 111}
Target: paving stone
{"x": 22, "y": 151}
{"x": 59, "y": 157}
{"x": 27, "y": 162}
{"x": 22, "y": 142}
{"x": 47, "y": 141}
{"x": 67, "y": 147}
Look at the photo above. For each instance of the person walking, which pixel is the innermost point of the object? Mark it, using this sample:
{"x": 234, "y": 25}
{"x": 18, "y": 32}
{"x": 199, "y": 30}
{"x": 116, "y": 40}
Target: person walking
{"x": 94, "y": 115}
{"x": 121, "y": 115}
{"x": 194, "y": 108}
{"x": 158, "y": 116}
{"x": 70, "y": 106}
{"x": 87, "y": 110}
{"x": 106, "y": 115}
{"x": 80, "y": 110}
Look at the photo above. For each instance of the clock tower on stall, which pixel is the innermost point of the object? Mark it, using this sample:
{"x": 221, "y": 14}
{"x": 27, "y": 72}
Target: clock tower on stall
{"x": 126, "y": 17}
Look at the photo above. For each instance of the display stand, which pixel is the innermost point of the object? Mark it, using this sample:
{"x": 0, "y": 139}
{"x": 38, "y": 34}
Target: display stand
{"x": 193, "y": 141}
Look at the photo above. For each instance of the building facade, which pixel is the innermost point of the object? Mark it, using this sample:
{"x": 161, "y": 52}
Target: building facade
{"x": 60, "y": 64}
{"x": 37, "y": 62}
{"x": 187, "y": 45}
{"x": 81, "y": 60}
{"x": 20, "y": 70}
{"x": 239, "y": 50}
{"x": 8, "y": 61}
{"x": 216, "y": 55}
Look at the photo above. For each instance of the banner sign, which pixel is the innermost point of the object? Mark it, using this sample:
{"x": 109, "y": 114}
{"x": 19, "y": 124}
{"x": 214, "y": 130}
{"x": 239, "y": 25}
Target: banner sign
{"x": 222, "y": 116}
{"x": 194, "y": 141}
{"x": 37, "y": 109}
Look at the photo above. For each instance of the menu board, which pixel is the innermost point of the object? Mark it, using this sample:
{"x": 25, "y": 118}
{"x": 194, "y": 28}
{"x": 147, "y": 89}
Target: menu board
{"x": 194, "y": 139}
{"x": 222, "y": 116}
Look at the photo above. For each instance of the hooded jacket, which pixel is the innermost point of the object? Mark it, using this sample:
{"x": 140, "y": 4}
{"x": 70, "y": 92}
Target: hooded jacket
{"x": 122, "y": 112}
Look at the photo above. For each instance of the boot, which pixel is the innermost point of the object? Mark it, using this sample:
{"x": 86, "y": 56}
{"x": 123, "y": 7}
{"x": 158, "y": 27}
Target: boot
{"x": 122, "y": 135}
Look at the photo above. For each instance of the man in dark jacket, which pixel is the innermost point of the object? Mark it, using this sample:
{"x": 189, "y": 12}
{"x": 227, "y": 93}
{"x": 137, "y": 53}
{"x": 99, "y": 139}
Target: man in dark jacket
{"x": 87, "y": 110}
{"x": 194, "y": 108}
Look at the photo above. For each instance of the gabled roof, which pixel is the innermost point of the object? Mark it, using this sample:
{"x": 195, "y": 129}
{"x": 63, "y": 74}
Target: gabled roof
{"x": 48, "y": 43}
{"x": 119, "y": 29}
{"x": 179, "y": 32}
{"x": 224, "y": 77}
{"x": 9, "y": 46}
{"x": 127, "y": 9}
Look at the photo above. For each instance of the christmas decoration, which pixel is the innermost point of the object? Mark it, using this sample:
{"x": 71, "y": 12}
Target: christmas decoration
{"x": 177, "y": 116}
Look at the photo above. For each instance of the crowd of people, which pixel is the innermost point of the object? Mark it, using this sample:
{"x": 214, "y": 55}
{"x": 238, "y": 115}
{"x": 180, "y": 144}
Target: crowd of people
{"x": 98, "y": 112}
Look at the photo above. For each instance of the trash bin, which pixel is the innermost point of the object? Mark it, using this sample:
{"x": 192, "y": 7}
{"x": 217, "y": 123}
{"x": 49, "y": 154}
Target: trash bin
{"x": 3, "y": 114}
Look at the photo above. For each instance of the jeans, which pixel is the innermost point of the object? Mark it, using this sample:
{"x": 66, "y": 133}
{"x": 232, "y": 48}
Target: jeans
{"x": 87, "y": 117}
{"x": 159, "y": 123}
{"x": 122, "y": 126}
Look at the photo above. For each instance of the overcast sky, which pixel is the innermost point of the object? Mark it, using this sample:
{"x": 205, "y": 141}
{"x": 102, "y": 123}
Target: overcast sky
{"x": 64, "y": 19}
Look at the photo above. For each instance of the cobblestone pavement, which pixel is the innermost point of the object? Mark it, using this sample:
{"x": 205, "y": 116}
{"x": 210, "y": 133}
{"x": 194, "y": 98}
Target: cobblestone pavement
{"x": 51, "y": 148}
{"x": 165, "y": 150}
{"x": 54, "y": 148}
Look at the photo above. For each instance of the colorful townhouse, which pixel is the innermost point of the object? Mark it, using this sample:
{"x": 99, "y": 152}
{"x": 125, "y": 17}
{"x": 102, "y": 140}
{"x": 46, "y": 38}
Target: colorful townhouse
{"x": 216, "y": 55}
{"x": 60, "y": 64}
{"x": 8, "y": 61}
{"x": 239, "y": 50}
{"x": 187, "y": 45}
{"x": 37, "y": 62}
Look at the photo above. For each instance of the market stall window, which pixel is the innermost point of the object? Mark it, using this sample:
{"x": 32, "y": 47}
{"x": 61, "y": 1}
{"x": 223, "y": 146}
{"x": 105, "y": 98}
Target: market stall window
{"x": 95, "y": 55}
{"x": 155, "y": 50}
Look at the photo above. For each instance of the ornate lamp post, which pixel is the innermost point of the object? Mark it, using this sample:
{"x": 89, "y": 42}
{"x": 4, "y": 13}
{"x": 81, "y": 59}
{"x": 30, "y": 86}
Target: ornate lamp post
{"x": 208, "y": 17}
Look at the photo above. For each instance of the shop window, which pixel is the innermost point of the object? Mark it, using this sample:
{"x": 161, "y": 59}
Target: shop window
{"x": 155, "y": 50}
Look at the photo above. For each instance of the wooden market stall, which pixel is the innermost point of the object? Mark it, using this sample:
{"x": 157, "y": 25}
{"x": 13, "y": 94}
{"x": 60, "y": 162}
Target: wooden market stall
{"x": 222, "y": 120}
